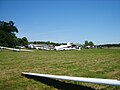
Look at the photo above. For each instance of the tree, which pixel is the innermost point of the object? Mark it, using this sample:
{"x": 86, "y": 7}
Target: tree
{"x": 7, "y": 34}
{"x": 34, "y": 42}
{"x": 23, "y": 41}
{"x": 91, "y": 43}
{"x": 86, "y": 43}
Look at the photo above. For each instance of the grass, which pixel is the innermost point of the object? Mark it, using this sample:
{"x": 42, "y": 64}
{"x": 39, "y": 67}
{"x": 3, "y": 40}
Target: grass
{"x": 96, "y": 63}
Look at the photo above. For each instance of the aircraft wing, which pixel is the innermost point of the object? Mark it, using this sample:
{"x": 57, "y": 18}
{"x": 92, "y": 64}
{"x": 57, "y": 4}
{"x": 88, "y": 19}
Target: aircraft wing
{"x": 79, "y": 79}
{"x": 17, "y": 50}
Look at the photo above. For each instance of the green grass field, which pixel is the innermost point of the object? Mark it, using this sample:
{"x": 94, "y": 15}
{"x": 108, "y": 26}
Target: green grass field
{"x": 95, "y": 63}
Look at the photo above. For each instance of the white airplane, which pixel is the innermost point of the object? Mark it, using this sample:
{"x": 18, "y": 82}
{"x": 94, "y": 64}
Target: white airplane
{"x": 17, "y": 50}
{"x": 78, "y": 79}
{"x": 66, "y": 47}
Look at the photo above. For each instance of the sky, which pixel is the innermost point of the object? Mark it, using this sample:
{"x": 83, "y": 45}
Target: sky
{"x": 64, "y": 20}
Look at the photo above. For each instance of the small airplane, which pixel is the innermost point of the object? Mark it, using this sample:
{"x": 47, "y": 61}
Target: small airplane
{"x": 66, "y": 47}
{"x": 79, "y": 79}
{"x": 17, "y": 50}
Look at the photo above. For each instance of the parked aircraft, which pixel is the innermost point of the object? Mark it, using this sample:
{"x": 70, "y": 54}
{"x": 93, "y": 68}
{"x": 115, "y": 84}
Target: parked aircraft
{"x": 17, "y": 50}
{"x": 67, "y": 47}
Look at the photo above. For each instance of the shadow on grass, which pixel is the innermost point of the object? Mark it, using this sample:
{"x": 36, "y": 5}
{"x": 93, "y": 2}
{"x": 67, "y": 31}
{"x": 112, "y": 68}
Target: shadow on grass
{"x": 60, "y": 85}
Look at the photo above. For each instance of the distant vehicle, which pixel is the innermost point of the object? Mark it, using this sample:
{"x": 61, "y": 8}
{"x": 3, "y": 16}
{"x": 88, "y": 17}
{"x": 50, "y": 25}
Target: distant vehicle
{"x": 40, "y": 47}
{"x": 67, "y": 47}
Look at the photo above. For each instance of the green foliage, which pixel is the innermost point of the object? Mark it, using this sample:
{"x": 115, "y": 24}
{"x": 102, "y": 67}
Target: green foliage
{"x": 8, "y": 37}
{"x": 7, "y": 34}
{"x": 23, "y": 41}
{"x": 89, "y": 43}
{"x": 86, "y": 43}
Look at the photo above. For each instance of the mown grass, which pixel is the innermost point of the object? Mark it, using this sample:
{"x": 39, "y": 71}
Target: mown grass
{"x": 97, "y": 63}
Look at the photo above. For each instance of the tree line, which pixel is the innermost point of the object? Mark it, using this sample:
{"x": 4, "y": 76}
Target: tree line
{"x": 8, "y": 36}
{"x": 109, "y": 45}
{"x": 47, "y": 43}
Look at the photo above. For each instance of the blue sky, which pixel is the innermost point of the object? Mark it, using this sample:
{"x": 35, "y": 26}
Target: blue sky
{"x": 64, "y": 20}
